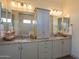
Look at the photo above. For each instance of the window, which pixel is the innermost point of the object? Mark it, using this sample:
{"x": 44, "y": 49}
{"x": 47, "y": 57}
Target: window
{"x": 27, "y": 21}
{"x": 6, "y": 20}
{"x": 3, "y": 19}
{"x": 34, "y": 22}
{"x": 9, "y": 20}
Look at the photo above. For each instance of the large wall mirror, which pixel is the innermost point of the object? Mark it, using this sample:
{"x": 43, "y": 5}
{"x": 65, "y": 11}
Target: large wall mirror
{"x": 23, "y": 23}
{"x": 7, "y": 20}
{"x": 61, "y": 24}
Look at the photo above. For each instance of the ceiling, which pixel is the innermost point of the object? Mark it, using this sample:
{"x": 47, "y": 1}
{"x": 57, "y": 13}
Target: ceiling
{"x": 54, "y": 4}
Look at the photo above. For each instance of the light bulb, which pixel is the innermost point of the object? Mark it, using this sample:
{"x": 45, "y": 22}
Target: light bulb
{"x": 24, "y": 5}
{"x": 54, "y": 12}
{"x": 59, "y": 13}
{"x": 29, "y": 7}
{"x": 13, "y": 3}
{"x": 51, "y": 12}
{"x": 19, "y": 4}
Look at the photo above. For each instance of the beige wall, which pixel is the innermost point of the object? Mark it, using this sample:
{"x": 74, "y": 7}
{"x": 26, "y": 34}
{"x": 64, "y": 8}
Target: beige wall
{"x": 47, "y": 4}
{"x": 72, "y": 7}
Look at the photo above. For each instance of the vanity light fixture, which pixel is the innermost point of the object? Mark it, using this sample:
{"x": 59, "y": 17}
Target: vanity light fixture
{"x": 55, "y": 12}
{"x": 21, "y": 5}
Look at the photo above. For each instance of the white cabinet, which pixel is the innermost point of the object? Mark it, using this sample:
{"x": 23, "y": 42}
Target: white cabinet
{"x": 36, "y": 50}
{"x": 66, "y": 47}
{"x": 57, "y": 48}
{"x": 61, "y": 47}
{"x": 9, "y": 51}
{"x": 29, "y": 50}
{"x": 42, "y": 17}
{"x": 45, "y": 50}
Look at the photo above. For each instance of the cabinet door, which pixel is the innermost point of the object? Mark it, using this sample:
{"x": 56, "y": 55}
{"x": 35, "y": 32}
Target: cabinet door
{"x": 9, "y": 51}
{"x": 42, "y": 17}
{"x": 45, "y": 49}
{"x": 29, "y": 50}
{"x": 66, "y": 47}
{"x": 57, "y": 49}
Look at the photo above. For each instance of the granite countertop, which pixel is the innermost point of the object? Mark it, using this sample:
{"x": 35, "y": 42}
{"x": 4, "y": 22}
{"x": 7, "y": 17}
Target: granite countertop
{"x": 58, "y": 38}
{"x": 28, "y": 40}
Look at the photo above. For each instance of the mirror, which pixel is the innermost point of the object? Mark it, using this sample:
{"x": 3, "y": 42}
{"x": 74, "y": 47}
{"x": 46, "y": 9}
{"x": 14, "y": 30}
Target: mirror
{"x": 7, "y": 20}
{"x": 66, "y": 24}
{"x": 6, "y": 26}
{"x": 26, "y": 22}
{"x": 61, "y": 24}
{"x": 23, "y": 22}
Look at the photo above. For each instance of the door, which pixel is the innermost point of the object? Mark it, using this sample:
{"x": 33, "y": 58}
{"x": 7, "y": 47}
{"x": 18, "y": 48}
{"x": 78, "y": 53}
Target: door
{"x": 29, "y": 50}
{"x": 45, "y": 50}
{"x": 9, "y": 51}
{"x": 42, "y": 17}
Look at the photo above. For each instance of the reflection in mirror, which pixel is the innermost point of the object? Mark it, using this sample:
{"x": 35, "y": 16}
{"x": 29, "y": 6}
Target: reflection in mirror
{"x": 7, "y": 20}
{"x": 1, "y": 23}
{"x": 51, "y": 24}
{"x": 7, "y": 25}
{"x": 59, "y": 24}
{"x": 55, "y": 25}
{"x": 66, "y": 22}
{"x": 25, "y": 23}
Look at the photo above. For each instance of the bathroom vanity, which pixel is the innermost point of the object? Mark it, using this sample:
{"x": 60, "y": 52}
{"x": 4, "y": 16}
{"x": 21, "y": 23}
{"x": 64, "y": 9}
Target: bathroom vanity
{"x": 35, "y": 49}
{"x": 38, "y": 23}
